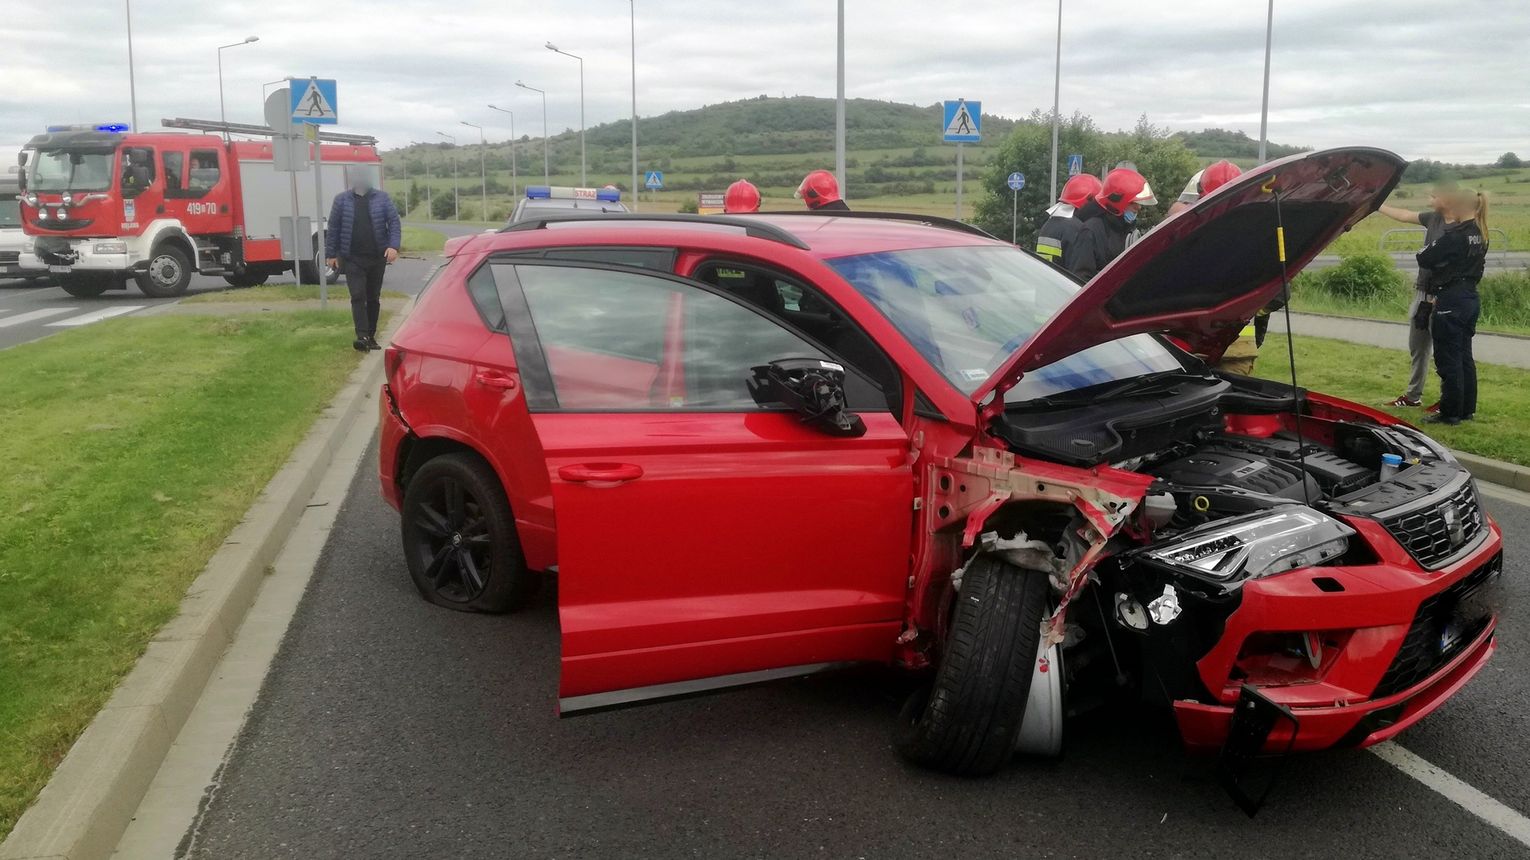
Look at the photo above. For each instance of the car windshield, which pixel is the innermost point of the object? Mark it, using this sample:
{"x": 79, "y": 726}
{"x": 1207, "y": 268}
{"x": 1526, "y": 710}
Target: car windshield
{"x": 10, "y": 212}
{"x": 967, "y": 309}
{"x": 64, "y": 170}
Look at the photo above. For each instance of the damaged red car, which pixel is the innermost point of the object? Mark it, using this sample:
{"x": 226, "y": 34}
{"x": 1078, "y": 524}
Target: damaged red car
{"x": 755, "y": 447}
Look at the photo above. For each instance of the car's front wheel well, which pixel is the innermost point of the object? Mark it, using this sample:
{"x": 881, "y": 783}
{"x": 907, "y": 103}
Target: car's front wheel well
{"x": 416, "y": 451}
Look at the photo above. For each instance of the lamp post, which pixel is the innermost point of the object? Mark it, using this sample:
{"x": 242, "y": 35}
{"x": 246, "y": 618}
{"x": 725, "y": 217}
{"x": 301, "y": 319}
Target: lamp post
{"x": 839, "y": 107}
{"x": 632, "y": 5}
{"x": 456, "y": 209}
{"x": 1056, "y": 101}
{"x": 430, "y": 211}
{"x": 546, "y": 162}
{"x": 554, "y": 48}
{"x": 514, "y": 192}
{"x": 1264, "y": 107}
{"x": 132, "y": 83}
{"x": 222, "y": 115}
{"x": 483, "y": 173}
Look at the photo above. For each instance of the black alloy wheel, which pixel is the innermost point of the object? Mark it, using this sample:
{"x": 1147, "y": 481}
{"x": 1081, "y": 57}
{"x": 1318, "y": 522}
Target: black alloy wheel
{"x": 459, "y": 537}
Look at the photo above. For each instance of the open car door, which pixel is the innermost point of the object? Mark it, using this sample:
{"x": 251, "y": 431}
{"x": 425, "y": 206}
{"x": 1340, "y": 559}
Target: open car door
{"x": 704, "y": 541}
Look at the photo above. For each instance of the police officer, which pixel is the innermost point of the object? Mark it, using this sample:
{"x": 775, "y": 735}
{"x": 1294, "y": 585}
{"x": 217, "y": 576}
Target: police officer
{"x": 1062, "y": 226}
{"x": 1454, "y": 264}
{"x": 1108, "y": 219}
{"x": 820, "y": 191}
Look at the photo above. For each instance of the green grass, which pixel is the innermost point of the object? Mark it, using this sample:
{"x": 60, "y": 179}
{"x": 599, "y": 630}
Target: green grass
{"x": 278, "y": 293}
{"x": 1373, "y": 376}
{"x": 132, "y": 448}
{"x": 1510, "y": 212}
{"x": 416, "y": 239}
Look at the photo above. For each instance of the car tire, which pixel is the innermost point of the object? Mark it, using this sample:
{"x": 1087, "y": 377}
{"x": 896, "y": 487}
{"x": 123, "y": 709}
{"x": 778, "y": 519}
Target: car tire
{"x": 965, "y": 722}
{"x": 459, "y": 537}
{"x": 247, "y": 278}
{"x": 85, "y": 285}
{"x": 168, "y": 275}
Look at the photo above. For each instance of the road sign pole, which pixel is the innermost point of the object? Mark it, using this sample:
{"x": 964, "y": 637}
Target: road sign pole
{"x": 959, "y": 181}
{"x": 1056, "y": 99}
{"x": 319, "y": 260}
{"x": 1014, "y": 216}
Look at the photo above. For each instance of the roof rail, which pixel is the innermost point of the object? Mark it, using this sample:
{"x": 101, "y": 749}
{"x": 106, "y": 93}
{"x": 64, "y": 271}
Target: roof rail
{"x": 929, "y": 220}
{"x": 751, "y": 228}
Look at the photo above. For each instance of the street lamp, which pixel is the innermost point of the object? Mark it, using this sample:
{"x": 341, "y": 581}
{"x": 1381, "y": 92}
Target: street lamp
{"x": 839, "y": 107}
{"x": 514, "y": 192}
{"x": 632, "y": 6}
{"x": 1056, "y": 101}
{"x": 456, "y": 211}
{"x": 546, "y": 162}
{"x": 430, "y": 211}
{"x": 554, "y": 48}
{"x": 483, "y": 173}
{"x": 1264, "y": 107}
{"x": 222, "y": 115}
{"x": 132, "y": 84}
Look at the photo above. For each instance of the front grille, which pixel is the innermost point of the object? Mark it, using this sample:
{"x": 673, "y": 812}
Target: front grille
{"x": 10, "y": 257}
{"x": 1444, "y": 624}
{"x": 1433, "y": 535}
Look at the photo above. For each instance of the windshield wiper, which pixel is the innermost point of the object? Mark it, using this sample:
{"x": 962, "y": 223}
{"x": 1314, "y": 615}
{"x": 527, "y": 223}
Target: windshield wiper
{"x": 1167, "y": 382}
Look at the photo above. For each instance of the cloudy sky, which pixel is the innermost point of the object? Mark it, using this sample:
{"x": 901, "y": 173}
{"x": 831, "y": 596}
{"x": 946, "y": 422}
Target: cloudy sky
{"x": 1424, "y": 78}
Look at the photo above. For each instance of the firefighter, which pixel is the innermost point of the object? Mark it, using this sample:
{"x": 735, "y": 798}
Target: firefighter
{"x": 1204, "y": 182}
{"x": 820, "y": 191}
{"x": 363, "y": 238}
{"x": 1063, "y": 225}
{"x": 1107, "y": 220}
{"x": 741, "y": 196}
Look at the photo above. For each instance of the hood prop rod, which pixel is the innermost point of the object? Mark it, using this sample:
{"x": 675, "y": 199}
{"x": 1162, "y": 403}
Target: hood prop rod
{"x": 1285, "y": 287}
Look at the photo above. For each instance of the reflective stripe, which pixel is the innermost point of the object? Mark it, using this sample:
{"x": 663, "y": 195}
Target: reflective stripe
{"x": 1248, "y": 331}
{"x": 1048, "y": 247}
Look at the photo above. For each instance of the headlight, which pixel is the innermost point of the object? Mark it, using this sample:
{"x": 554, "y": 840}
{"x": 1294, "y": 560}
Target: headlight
{"x": 110, "y": 248}
{"x": 1269, "y": 542}
{"x": 67, "y": 199}
{"x": 42, "y": 214}
{"x": 30, "y": 199}
{"x": 29, "y": 246}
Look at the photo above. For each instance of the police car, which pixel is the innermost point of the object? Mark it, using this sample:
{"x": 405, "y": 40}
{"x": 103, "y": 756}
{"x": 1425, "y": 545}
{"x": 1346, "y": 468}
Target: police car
{"x": 544, "y": 197}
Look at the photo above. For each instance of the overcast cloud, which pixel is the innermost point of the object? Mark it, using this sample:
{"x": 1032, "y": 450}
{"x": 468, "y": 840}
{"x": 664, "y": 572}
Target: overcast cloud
{"x": 1424, "y": 78}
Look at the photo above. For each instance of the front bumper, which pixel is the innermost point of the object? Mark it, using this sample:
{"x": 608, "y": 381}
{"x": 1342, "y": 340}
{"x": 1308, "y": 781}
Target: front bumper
{"x": 1378, "y": 685}
{"x": 61, "y": 255}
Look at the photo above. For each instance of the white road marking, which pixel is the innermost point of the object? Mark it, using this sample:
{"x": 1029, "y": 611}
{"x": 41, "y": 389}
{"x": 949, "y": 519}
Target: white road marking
{"x": 7, "y": 322}
{"x": 97, "y": 316}
{"x": 1495, "y": 814}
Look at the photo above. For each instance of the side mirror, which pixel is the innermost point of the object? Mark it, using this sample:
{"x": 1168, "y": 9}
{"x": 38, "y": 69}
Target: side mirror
{"x": 21, "y": 175}
{"x": 812, "y": 388}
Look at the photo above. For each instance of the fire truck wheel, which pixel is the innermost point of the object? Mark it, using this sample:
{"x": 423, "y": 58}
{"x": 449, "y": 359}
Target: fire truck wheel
{"x": 86, "y": 285}
{"x": 169, "y": 273}
{"x": 247, "y": 278}
{"x": 966, "y": 721}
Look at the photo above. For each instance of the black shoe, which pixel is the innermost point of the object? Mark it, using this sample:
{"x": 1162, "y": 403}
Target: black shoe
{"x": 372, "y": 342}
{"x": 360, "y": 344}
{"x": 1437, "y": 418}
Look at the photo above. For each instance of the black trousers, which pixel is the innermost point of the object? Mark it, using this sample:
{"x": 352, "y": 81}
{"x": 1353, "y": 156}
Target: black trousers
{"x": 364, "y": 280}
{"x": 1453, "y": 324}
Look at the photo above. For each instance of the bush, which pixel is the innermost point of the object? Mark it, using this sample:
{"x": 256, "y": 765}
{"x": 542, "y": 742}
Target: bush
{"x": 1506, "y": 298}
{"x": 1359, "y": 278}
{"x": 442, "y": 206}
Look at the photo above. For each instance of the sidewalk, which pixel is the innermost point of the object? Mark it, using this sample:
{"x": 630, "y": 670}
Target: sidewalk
{"x": 1506, "y": 350}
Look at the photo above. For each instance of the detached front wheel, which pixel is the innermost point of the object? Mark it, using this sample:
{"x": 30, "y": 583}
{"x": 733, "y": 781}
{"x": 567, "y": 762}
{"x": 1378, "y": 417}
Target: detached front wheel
{"x": 459, "y": 537}
{"x": 967, "y": 721}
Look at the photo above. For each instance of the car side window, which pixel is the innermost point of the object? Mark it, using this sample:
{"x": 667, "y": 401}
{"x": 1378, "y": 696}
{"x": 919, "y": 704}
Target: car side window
{"x": 204, "y": 173}
{"x": 590, "y": 339}
{"x": 175, "y": 173}
{"x": 653, "y": 259}
{"x": 783, "y": 297}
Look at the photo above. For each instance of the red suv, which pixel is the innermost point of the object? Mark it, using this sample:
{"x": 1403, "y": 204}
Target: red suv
{"x": 761, "y": 446}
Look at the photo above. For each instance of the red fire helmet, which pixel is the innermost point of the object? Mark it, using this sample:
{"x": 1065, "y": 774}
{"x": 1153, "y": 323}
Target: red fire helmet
{"x": 741, "y": 196}
{"x": 818, "y": 188}
{"x": 1123, "y": 187}
{"x": 1079, "y": 189}
{"x": 1217, "y": 175}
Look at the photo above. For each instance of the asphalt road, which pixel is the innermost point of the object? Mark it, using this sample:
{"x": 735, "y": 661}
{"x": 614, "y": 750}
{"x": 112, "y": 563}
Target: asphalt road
{"x": 29, "y": 312}
{"x": 392, "y": 728}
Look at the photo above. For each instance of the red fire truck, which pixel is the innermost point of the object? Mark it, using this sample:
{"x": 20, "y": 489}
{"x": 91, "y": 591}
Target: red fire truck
{"x": 101, "y": 205}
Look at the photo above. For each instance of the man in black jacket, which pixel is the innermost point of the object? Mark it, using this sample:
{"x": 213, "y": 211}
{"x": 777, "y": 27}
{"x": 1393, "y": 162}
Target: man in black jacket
{"x": 1062, "y": 225}
{"x": 1107, "y": 221}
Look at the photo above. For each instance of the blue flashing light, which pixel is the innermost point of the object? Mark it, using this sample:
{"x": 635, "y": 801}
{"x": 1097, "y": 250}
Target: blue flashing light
{"x": 610, "y": 195}
{"x": 111, "y": 127}
{"x": 538, "y": 192}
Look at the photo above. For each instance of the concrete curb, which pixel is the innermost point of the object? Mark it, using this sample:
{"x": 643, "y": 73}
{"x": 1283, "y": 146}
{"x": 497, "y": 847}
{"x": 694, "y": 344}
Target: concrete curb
{"x": 87, "y": 804}
{"x": 1498, "y": 472}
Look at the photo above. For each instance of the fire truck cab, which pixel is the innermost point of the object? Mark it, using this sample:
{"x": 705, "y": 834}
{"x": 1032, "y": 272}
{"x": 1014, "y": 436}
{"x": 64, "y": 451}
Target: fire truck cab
{"x": 101, "y": 205}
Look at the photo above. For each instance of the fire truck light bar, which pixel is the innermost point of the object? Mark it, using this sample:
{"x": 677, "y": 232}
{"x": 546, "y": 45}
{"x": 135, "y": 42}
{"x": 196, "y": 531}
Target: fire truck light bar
{"x": 103, "y": 126}
{"x": 565, "y": 192}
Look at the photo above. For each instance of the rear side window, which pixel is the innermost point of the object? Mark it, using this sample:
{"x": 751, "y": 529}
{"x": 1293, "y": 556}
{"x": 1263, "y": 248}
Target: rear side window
{"x": 590, "y": 339}
{"x": 653, "y": 259}
{"x": 175, "y": 174}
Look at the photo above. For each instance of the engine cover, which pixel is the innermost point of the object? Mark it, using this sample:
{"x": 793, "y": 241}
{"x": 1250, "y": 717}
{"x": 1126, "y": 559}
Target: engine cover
{"x": 1227, "y": 468}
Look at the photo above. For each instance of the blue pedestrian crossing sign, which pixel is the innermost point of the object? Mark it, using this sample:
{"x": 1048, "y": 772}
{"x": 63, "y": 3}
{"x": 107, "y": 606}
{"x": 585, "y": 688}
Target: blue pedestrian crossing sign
{"x": 963, "y": 122}
{"x": 1016, "y": 181}
{"x": 1075, "y": 165}
{"x": 653, "y": 180}
{"x": 314, "y": 101}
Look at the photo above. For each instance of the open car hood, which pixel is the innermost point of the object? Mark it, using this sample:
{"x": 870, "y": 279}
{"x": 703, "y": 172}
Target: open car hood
{"x": 1202, "y": 274}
